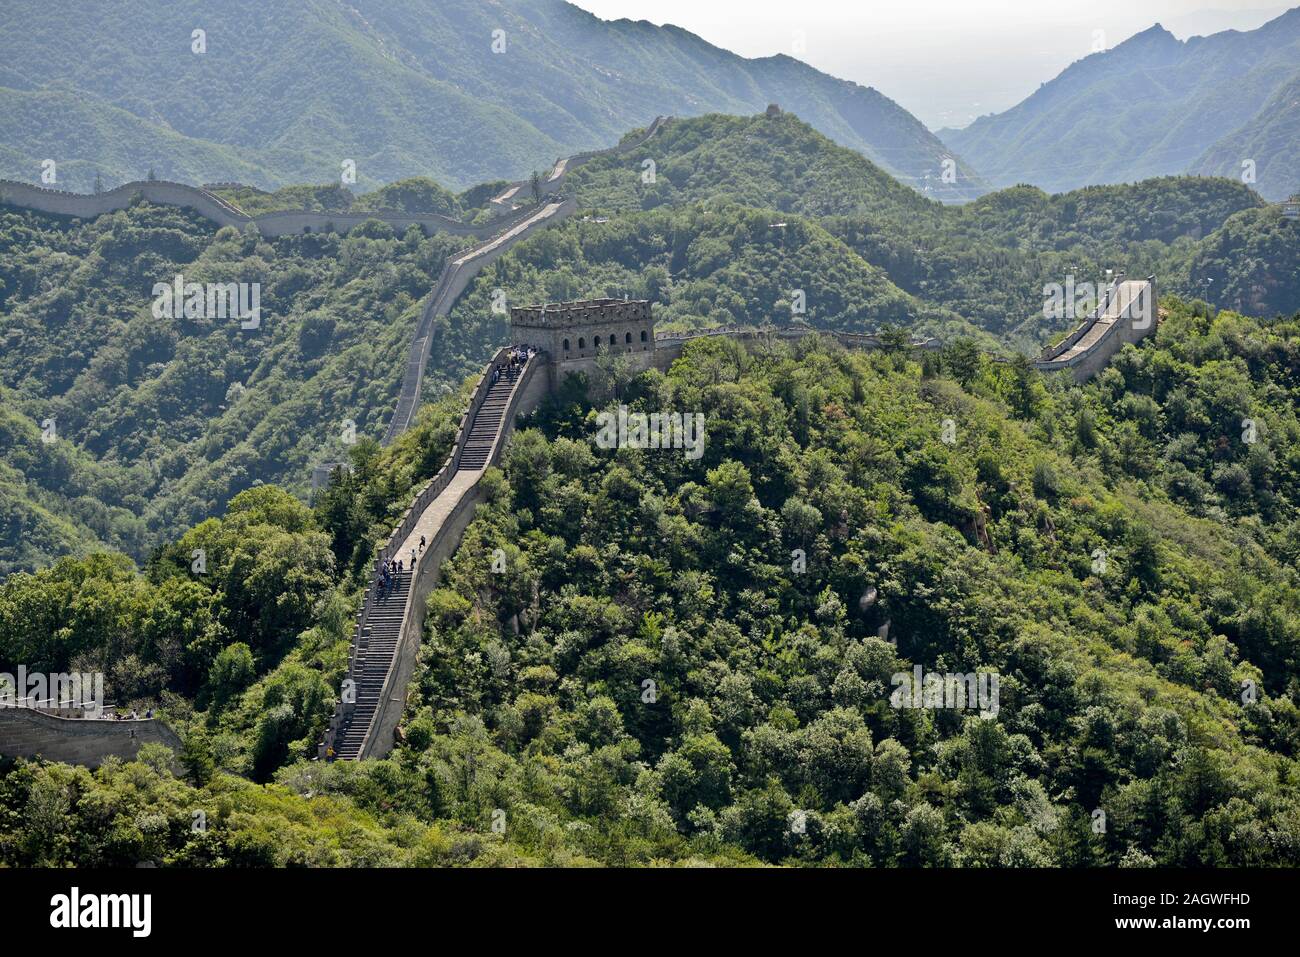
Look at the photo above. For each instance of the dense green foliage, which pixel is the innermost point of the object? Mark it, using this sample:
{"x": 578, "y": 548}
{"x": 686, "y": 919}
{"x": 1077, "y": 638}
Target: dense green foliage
{"x": 988, "y": 261}
{"x": 704, "y": 265}
{"x": 239, "y": 628}
{"x": 777, "y": 162}
{"x": 416, "y": 195}
{"x": 124, "y": 814}
{"x": 1120, "y": 689}
{"x": 1151, "y": 106}
{"x": 685, "y": 660}
{"x": 159, "y": 422}
{"x": 1251, "y": 263}
{"x": 767, "y": 734}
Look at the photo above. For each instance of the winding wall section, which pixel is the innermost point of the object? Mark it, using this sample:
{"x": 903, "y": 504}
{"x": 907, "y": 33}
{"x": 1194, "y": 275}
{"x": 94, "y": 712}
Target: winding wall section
{"x": 555, "y": 178}
{"x": 211, "y": 206}
{"x": 1127, "y": 314}
{"x": 29, "y": 733}
{"x": 440, "y": 513}
{"x": 456, "y": 275}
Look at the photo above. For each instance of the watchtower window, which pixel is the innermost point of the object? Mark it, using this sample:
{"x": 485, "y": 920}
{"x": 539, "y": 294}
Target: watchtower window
{"x": 611, "y": 338}
{"x": 566, "y": 345}
{"x": 643, "y": 335}
{"x": 582, "y": 343}
{"x": 627, "y": 339}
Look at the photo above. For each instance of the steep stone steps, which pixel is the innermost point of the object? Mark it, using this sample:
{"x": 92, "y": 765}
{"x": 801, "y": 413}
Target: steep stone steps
{"x": 375, "y": 649}
{"x": 378, "y": 643}
{"x": 487, "y": 423}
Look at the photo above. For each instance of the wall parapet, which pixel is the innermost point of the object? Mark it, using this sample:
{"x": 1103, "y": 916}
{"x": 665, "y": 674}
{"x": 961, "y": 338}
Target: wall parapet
{"x": 213, "y": 207}
{"x": 30, "y": 733}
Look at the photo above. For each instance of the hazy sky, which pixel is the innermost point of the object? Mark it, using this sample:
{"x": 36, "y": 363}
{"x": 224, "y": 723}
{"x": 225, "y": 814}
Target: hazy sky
{"x": 947, "y": 61}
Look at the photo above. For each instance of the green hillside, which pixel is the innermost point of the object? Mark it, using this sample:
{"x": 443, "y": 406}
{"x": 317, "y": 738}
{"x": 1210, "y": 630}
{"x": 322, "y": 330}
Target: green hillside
{"x": 416, "y": 195}
{"x": 705, "y": 265}
{"x": 458, "y": 90}
{"x": 778, "y": 162}
{"x": 657, "y": 679}
{"x": 161, "y": 423}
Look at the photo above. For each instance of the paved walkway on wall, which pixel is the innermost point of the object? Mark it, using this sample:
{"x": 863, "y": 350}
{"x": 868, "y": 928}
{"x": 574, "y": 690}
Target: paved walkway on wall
{"x": 456, "y": 275}
{"x": 1120, "y": 314}
{"x": 433, "y": 517}
{"x": 379, "y": 636}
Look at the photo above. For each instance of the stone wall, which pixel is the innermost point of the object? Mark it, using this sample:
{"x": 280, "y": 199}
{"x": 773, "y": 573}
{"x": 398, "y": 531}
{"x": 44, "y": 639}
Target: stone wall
{"x": 586, "y": 329}
{"x": 88, "y": 206}
{"x": 213, "y": 207}
{"x": 669, "y": 346}
{"x": 456, "y": 275}
{"x": 522, "y": 190}
{"x": 1090, "y": 347}
{"x": 528, "y": 393}
{"x": 25, "y": 733}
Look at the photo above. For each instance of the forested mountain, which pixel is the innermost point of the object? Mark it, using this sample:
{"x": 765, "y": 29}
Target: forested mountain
{"x": 986, "y": 262}
{"x": 161, "y": 422}
{"x": 158, "y": 422}
{"x": 1269, "y": 138}
{"x": 458, "y": 90}
{"x": 1151, "y": 106}
{"x": 634, "y": 654}
{"x": 1120, "y": 682}
{"x": 775, "y": 162}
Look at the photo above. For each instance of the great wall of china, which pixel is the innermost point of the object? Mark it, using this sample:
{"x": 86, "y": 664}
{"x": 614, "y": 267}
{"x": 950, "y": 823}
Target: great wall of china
{"x": 571, "y": 337}
{"x": 1128, "y": 313}
{"x": 456, "y": 276}
{"x": 211, "y": 206}
{"x": 47, "y": 733}
{"x": 205, "y": 201}
{"x": 386, "y": 637}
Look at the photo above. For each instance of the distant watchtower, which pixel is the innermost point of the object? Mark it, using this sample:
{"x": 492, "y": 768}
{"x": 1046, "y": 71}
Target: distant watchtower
{"x": 1291, "y": 208}
{"x": 577, "y": 334}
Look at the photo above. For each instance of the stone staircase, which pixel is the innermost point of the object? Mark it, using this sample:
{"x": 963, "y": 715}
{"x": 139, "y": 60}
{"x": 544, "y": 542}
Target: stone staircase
{"x": 487, "y": 423}
{"x": 379, "y": 662}
{"x": 376, "y": 646}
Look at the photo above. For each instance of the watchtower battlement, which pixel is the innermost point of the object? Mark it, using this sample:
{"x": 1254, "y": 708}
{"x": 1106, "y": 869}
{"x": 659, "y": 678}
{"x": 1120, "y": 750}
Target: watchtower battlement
{"x": 581, "y": 312}
{"x": 575, "y": 334}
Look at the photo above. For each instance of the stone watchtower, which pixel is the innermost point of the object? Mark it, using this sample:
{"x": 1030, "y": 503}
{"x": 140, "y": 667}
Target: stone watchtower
{"x": 575, "y": 335}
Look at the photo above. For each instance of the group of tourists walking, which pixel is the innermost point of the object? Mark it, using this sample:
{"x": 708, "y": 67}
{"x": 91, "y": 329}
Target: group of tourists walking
{"x": 392, "y": 569}
{"x": 514, "y": 364}
{"x": 389, "y": 574}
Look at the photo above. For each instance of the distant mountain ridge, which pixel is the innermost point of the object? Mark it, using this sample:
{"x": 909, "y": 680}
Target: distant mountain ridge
{"x": 1155, "y": 105}
{"x": 461, "y": 91}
